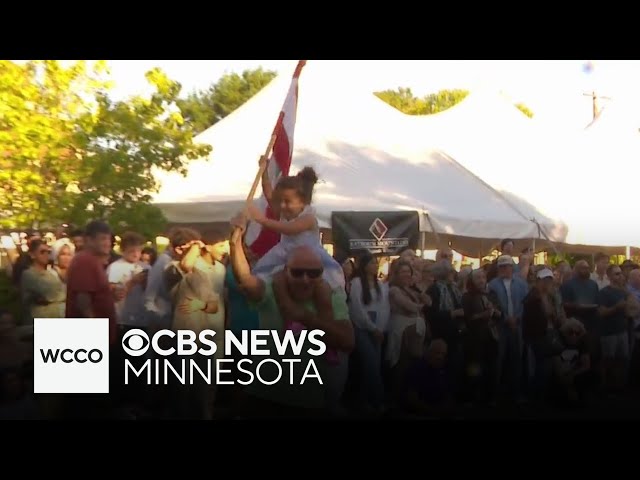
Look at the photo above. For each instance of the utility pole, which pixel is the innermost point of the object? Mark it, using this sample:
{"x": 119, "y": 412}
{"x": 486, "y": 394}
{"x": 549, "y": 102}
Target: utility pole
{"x": 594, "y": 99}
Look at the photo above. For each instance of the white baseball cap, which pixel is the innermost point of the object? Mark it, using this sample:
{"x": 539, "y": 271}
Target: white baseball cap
{"x": 505, "y": 260}
{"x": 544, "y": 273}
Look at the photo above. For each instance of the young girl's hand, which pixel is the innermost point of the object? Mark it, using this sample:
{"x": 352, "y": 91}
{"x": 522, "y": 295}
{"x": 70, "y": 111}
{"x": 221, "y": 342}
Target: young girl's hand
{"x": 254, "y": 213}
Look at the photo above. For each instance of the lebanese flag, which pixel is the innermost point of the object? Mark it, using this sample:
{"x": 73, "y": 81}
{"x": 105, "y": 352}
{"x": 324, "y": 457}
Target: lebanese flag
{"x": 259, "y": 239}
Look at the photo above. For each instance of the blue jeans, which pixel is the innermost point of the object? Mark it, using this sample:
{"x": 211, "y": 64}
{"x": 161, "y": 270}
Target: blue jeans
{"x": 509, "y": 371}
{"x": 369, "y": 352}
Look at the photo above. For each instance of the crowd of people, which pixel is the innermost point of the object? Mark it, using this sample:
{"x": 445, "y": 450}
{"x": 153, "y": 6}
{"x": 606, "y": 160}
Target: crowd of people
{"x": 431, "y": 339}
{"x": 424, "y": 340}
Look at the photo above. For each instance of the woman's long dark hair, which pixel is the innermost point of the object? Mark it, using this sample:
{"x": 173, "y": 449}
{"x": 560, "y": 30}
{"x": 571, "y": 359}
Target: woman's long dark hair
{"x": 361, "y": 273}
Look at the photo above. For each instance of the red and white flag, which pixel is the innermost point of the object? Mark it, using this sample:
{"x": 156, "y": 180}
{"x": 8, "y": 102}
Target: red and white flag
{"x": 259, "y": 239}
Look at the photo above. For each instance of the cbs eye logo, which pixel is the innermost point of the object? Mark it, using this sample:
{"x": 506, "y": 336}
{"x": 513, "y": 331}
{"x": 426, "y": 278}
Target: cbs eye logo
{"x": 135, "y": 342}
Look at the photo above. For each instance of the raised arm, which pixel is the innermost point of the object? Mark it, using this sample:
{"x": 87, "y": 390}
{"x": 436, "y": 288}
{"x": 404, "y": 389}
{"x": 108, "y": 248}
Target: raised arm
{"x": 252, "y": 286}
{"x": 189, "y": 260}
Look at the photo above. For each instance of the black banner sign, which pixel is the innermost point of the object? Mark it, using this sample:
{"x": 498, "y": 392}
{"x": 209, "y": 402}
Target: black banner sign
{"x": 382, "y": 233}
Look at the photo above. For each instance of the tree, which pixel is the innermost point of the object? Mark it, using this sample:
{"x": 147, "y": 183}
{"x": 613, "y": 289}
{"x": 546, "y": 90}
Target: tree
{"x": 204, "y": 108}
{"x": 71, "y": 154}
{"x": 401, "y": 99}
{"x": 524, "y": 109}
{"x": 41, "y": 105}
{"x": 404, "y": 100}
{"x": 442, "y": 100}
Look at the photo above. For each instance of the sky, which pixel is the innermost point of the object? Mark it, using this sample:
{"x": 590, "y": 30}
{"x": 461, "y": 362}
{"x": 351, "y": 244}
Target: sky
{"x": 552, "y": 89}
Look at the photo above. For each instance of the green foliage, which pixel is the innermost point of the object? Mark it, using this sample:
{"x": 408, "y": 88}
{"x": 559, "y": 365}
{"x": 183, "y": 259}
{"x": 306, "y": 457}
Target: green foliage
{"x": 442, "y": 100}
{"x": 401, "y": 99}
{"x": 554, "y": 258}
{"x": 524, "y": 109}
{"x": 204, "y": 108}
{"x": 404, "y": 100}
{"x": 68, "y": 153}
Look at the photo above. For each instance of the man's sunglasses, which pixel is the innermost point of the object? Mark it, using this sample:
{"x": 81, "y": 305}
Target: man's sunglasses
{"x": 311, "y": 273}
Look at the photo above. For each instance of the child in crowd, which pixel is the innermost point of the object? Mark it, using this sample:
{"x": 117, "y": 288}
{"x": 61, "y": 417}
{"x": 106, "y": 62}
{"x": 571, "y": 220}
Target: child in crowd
{"x": 298, "y": 226}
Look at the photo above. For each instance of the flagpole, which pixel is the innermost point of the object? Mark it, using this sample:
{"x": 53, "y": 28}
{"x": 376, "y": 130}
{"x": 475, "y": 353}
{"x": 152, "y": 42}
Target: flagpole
{"x": 274, "y": 136}
{"x": 263, "y": 165}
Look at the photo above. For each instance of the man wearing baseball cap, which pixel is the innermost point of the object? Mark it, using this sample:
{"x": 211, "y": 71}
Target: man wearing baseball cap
{"x": 522, "y": 268}
{"x": 510, "y": 291}
{"x": 538, "y": 318}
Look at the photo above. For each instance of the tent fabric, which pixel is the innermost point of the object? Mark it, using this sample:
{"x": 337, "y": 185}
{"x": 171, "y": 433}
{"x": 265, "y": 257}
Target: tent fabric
{"x": 368, "y": 156}
{"x": 576, "y": 176}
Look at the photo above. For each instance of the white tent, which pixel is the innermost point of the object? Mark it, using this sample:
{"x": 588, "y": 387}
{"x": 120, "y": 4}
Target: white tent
{"x": 575, "y": 176}
{"x": 489, "y": 136}
{"x": 368, "y": 157}
{"x": 608, "y": 153}
{"x": 557, "y": 171}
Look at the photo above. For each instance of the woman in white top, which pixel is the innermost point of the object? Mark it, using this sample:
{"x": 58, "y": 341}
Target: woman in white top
{"x": 369, "y": 312}
{"x": 62, "y": 252}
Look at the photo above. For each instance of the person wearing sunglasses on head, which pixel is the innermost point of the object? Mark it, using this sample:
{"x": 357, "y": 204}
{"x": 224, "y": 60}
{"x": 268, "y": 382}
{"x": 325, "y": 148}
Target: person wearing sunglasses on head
{"x": 44, "y": 294}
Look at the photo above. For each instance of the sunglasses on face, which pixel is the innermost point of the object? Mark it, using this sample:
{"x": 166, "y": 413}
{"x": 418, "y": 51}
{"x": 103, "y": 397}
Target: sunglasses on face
{"x": 311, "y": 273}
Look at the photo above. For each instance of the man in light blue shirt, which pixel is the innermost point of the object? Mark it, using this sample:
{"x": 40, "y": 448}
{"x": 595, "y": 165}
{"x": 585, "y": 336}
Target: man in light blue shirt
{"x": 510, "y": 291}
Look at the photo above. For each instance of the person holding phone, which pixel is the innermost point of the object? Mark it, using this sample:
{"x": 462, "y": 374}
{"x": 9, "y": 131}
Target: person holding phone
{"x": 369, "y": 312}
{"x": 127, "y": 277}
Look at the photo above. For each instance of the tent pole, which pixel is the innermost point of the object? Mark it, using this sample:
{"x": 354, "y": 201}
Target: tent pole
{"x": 553, "y": 245}
{"x": 435, "y": 233}
{"x": 628, "y": 252}
{"x": 423, "y": 242}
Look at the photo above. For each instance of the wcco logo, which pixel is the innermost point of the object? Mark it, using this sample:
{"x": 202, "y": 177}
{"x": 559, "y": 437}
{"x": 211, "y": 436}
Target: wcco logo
{"x": 71, "y": 355}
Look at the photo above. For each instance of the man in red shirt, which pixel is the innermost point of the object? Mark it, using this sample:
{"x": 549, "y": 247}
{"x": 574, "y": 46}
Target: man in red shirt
{"x": 89, "y": 294}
